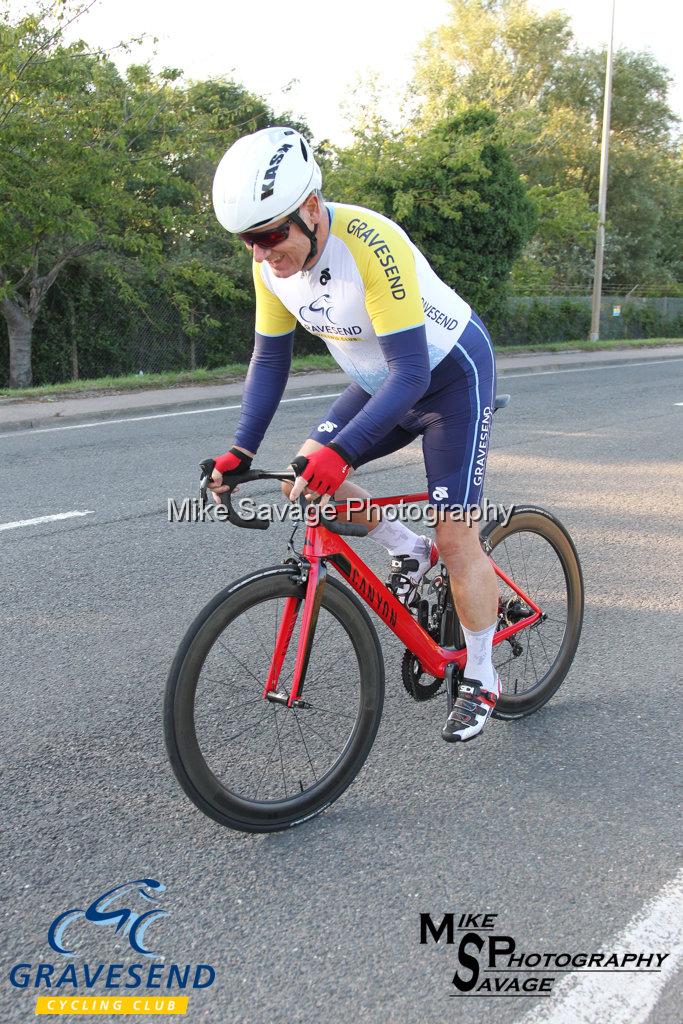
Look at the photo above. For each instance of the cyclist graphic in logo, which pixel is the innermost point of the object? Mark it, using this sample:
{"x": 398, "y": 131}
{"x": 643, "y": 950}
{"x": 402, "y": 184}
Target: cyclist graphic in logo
{"x": 319, "y": 309}
{"x": 125, "y": 921}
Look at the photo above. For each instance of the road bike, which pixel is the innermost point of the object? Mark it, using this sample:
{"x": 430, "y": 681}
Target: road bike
{"x": 275, "y": 695}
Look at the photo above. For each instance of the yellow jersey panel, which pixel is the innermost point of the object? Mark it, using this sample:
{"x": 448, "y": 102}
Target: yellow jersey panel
{"x": 272, "y": 317}
{"x": 387, "y": 267}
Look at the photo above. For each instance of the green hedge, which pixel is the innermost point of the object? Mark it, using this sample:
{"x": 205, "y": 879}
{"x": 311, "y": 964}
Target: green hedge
{"x": 544, "y": 320}
{"x": 114, "y": 337}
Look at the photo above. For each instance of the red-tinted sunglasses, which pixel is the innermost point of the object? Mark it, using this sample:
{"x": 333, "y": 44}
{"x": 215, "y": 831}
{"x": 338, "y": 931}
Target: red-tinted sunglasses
{"x": 268, "y": 238}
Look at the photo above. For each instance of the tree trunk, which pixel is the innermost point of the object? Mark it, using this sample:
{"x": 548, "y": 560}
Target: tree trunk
{"x": 20, "y": 329}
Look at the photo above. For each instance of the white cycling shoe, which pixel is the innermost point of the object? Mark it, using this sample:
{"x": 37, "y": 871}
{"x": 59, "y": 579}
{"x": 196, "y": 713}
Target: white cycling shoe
{"x": 471, "y": 711}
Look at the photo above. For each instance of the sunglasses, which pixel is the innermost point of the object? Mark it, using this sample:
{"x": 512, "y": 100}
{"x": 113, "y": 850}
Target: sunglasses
{"x": 266, "y": 239}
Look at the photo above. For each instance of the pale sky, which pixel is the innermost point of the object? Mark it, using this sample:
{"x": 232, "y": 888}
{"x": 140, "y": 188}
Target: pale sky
{"x": 266, "y": 44}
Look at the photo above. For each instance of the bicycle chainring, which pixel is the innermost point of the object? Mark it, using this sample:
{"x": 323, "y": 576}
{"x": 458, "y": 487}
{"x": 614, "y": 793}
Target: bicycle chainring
{"x": 412, "y": 674}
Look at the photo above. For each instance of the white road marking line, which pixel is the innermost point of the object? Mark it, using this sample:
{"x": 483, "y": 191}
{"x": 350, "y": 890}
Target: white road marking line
{"x": 153, "y": 416}
{"x": 312, "y": 398}
{"x": 678, "y": 403}
{"x": 45, "y": 519}
{"x": 628, "y": 999}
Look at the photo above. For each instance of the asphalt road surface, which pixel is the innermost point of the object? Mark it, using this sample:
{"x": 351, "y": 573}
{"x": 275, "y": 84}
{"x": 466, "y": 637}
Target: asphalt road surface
{"x": 563, "y": 824}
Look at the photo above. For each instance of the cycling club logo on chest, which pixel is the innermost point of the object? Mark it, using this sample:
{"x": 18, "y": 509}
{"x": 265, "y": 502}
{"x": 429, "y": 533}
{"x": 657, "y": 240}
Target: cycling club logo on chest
{"x": 318, "y": 318}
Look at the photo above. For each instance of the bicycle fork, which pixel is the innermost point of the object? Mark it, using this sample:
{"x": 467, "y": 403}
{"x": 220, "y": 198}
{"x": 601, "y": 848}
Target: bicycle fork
{"x": 315, "y": 587}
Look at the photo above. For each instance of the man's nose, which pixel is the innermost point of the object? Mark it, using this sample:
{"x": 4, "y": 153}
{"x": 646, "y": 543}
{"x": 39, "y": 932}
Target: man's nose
{"x": 260, "y": 253}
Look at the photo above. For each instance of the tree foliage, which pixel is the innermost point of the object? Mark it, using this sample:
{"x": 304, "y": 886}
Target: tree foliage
{"x": 105, "y": 183}
{"x": 456, "y": 193}
{"x": 548, "y": 95}
{"x": 93, "y": 161}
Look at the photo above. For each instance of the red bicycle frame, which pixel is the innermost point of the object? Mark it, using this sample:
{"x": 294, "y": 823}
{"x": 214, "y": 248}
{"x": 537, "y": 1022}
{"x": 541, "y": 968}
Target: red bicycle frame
{"x": 321, "y": 546}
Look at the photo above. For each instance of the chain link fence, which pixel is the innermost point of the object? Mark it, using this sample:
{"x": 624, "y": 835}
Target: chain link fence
{"x": 110, "y": 338}
{"x": 547, "y": 318}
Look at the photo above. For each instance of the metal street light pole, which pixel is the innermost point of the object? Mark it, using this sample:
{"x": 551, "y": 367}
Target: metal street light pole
{"x": 602, "y": 198}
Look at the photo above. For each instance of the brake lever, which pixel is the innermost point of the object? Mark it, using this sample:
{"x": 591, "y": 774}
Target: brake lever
{"x": 206, "y": 467}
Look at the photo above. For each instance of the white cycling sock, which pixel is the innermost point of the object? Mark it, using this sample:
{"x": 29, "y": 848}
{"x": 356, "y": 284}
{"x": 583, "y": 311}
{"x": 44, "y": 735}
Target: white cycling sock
{"x": 395, "y": 537}
{"x": 479, "y": 650}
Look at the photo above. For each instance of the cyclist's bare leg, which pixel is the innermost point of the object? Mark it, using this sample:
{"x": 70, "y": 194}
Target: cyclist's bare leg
{"x": 473, "y": 581}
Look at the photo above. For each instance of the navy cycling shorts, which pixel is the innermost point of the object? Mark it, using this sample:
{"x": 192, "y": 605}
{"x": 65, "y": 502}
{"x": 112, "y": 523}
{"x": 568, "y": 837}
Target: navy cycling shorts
{"x": 453, "y": 418}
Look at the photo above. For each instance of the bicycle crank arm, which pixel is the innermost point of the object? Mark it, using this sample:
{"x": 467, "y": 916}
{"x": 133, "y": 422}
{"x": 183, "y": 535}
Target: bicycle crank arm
{"x": 451, "y": 685}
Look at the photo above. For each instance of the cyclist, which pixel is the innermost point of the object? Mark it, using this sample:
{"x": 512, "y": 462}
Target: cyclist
{"x": 420, "y": 359}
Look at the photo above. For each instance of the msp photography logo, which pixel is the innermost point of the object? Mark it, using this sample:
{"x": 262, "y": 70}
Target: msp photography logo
{"x": 124, "y": 911}
{"x": 489, "y": 963}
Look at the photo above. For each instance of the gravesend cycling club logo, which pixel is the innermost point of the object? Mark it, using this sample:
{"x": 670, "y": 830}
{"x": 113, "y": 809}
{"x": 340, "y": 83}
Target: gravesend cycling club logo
{"x": 103, "y": 911}
{"x": 490, "y": 963}
{"x": 317, "y": 317}
{"x": 126, "y": 911}
{"x": 319, "y": 309}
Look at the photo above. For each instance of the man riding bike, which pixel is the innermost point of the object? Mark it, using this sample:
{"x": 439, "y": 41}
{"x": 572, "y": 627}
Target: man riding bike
{"x": 421, "y": 362}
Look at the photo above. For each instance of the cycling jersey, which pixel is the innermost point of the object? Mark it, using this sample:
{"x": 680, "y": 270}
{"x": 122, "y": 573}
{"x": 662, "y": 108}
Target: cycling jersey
{"x": 383, "y": 313}
{"x": 369, "y": 282}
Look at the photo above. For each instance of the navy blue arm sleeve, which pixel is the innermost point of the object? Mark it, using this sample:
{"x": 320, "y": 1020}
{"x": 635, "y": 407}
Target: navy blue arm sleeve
{"x": 263, "y": 388}
{"x": 409, "y": 376}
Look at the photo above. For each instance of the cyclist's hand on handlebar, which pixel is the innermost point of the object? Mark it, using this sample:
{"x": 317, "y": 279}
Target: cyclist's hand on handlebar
{"x": 325, "y": 471}
{"x": 232, "y": 463}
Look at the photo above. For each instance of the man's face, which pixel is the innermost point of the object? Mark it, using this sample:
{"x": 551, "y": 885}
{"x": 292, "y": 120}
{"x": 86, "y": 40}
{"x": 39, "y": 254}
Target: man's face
{"x": 288, "y": 257}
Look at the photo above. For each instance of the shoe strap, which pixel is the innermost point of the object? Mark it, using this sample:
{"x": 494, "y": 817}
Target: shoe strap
{"x": 472, "y": 690}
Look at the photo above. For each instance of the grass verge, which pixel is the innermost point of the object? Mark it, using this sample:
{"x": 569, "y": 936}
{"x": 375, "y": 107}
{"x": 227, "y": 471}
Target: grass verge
{"x": 300, "y": 364}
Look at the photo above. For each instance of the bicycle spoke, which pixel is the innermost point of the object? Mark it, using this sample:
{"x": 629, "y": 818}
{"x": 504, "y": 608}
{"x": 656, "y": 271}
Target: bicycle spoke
{"x": 317, "y": 639}
{"x": 533, "y": 663}
{"x": 315, "y": 731}
{"x": 545, "y": 650}
{"x": 305, "y": 747}
{"x": 241, "y": 663}
{"x": 269, "y": 752}
{"x": 265, "y": 771}
{"x": 328, "y": 711}
{"x": 247, "y": 728}
{"x": 282, "y": 766}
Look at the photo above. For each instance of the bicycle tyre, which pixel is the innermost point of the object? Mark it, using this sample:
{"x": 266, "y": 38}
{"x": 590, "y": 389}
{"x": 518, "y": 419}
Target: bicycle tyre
{"x": 191, "y": 769}
{"x": 537, "y": 521}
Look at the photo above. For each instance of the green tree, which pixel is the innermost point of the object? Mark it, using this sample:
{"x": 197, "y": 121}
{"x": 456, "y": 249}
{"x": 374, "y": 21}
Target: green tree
{"x": 92, "y": 161}
{"x": 69, "y": 125}
{"x": 548, "y": 95}
{"x": 500, "y": 53}
{"x": 456, "y": 193}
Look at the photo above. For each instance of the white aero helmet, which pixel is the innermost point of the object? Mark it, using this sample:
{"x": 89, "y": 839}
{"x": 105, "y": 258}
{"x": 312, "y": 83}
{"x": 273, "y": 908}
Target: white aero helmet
{"x": 262, "y": 178}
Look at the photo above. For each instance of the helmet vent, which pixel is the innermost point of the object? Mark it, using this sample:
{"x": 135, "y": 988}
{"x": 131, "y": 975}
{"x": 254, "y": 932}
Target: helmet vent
{"x": 304, "y": 150}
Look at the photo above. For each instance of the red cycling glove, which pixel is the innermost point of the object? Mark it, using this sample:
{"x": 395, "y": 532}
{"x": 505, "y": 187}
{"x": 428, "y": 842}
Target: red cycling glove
{"x": 233, "y": 462}
{"x": 327, "y": 469}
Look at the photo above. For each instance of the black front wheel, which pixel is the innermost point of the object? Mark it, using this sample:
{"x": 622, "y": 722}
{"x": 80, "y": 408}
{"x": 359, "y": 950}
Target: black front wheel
{"x": 536, "y": 552}
{"x": 257, "y": 765}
